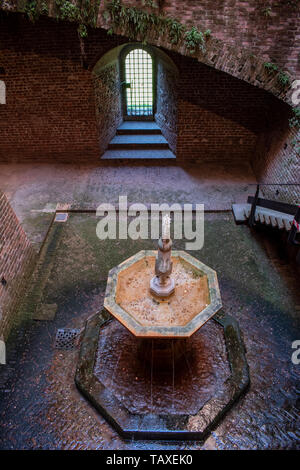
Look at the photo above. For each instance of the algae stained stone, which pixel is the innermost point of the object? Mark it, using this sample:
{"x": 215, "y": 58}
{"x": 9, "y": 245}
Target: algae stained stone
{"x": 195, "y": 300}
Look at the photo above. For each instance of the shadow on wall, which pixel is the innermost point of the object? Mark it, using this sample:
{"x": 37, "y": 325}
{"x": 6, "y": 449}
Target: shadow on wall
{"x": 108, "y": 96}
{"x": 276, "y": 159}
{"x": 167, "y": 98}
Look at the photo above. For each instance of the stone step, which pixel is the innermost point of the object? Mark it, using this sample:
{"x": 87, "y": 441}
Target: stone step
{"x": 138, "y": 127}
{"x": 138, "y": 155}
{"x": 136, "y": 142}
{"x": 276, "y": 219}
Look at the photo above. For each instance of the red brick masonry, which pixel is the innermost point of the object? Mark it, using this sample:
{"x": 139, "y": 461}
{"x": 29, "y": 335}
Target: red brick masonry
{"x": 17, "y": 259}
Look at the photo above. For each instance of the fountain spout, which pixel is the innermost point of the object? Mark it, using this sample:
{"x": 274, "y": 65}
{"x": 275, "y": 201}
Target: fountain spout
{"x": 162, "y": 285}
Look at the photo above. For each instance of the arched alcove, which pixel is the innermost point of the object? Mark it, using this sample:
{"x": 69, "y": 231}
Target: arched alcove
{"x": 109, "y": 80}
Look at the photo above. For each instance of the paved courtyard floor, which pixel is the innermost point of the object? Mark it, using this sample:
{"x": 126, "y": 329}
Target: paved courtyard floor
{"x": 32, "y": 188}
{"x": 40, "y": 407}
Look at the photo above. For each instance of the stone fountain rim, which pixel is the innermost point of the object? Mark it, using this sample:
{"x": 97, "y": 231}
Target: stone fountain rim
{"x": 141, "y": 331}
{"x": 154, "y": 426}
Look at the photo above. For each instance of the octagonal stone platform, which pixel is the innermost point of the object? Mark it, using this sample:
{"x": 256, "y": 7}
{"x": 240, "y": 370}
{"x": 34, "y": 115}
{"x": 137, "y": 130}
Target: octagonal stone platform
{"x": 132, "y": 420}
{"x": 195, "y": 300}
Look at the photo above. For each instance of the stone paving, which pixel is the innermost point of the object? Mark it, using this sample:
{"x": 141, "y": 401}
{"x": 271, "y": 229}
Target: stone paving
{"x": 40, "y": 407}
{"x": 35, "y": 189}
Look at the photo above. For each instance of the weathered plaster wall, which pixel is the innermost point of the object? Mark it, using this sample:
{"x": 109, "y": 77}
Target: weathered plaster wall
{"x": 17, "y": 259}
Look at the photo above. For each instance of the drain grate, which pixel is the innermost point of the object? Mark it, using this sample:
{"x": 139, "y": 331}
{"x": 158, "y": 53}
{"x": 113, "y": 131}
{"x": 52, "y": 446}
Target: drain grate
{"x": 66, "y": 338}
{"x": 61, "y": 217}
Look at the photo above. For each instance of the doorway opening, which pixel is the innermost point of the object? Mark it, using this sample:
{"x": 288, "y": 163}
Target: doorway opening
{"x": 138, "y": 84}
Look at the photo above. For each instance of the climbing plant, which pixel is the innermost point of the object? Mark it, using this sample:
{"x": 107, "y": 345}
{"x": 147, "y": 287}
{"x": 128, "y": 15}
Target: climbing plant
{"x": 271, "y": 67}
{"x": 135, "y": 22}
{"x": 138, "y": 23}
{"x": 85, "y": 12}
{"x": 194, "y": 39}
{"x": 31, "y": 10}
{"x": 282, "y": 77}
{"x": 66, "y": 10}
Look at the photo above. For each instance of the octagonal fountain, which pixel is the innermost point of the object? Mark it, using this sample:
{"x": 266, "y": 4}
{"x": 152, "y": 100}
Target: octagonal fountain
{"x": 129, "y": 368}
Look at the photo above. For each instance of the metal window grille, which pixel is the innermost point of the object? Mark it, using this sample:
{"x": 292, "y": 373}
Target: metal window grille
{"x": 139, "y": 77}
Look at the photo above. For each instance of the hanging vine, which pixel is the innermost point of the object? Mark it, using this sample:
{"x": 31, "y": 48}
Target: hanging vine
{"x": 135, "y": 22}
{"x": 138, "y": 23}
{"x": 85, "y": 12}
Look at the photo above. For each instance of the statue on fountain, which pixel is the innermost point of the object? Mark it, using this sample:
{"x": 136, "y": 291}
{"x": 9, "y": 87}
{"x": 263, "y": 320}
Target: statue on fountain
{"x": 162, "y": 285}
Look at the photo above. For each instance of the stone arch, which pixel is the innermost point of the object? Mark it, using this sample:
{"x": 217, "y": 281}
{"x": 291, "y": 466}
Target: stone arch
{"x": 237, "y": 61}
{"x": 108, "y": 98}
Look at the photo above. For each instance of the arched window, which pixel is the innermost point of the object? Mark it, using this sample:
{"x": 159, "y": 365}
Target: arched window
{"x": 138, "y": 84}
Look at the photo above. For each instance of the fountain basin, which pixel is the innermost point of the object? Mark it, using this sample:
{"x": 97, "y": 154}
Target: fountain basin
{"x": 195, "y": 300}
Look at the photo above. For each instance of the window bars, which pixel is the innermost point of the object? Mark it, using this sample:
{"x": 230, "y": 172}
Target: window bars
{"x": 139, "y": 80}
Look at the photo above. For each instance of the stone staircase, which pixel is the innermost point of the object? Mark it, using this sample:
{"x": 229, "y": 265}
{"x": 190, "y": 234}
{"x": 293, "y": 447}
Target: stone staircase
{"x": 263, "y": 215}
{"x": 141, "y": 140}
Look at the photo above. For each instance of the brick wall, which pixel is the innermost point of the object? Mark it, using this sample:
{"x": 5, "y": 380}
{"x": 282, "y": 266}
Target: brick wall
{"x": 276, "y": 161}
{"x": 167, "y": 101}
{"x": 58, "y": 110}
{"x": 50, "y": 111}
{"x": 273, "y": 36}
{"x": 108, "y": 104}
{"x": 17, "y": 259}
{"x": 219, "y": 116}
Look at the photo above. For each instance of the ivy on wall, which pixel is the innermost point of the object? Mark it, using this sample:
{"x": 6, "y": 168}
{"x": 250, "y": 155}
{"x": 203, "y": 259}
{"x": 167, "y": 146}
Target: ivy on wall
{"x": 85, "y": 12}
{"x": 137, "y": 23}
{"x": 282, "y": 77}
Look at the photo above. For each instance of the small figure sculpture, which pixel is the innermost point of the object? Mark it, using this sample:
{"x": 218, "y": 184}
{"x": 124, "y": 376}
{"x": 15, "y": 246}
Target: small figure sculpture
{"x": 162, "y": 285}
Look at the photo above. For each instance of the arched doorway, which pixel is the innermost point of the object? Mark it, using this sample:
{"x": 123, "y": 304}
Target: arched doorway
{"x": 138, "y": 83}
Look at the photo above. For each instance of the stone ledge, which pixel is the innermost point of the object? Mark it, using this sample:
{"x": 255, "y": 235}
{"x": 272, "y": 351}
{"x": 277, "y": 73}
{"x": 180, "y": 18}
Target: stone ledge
{"x": 178, "y": 427}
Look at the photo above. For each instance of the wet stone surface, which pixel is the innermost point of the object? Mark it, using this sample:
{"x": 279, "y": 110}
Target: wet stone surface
{"x": 40, "y": 407}
{"x": 181, "y": 387}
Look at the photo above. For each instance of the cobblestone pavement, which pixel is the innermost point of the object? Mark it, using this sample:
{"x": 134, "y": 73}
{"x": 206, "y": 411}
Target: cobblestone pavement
{"x": 40, "y": 407}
